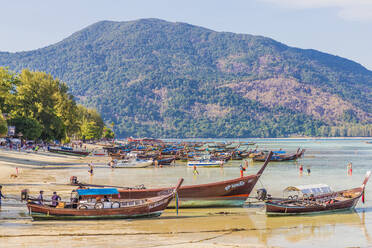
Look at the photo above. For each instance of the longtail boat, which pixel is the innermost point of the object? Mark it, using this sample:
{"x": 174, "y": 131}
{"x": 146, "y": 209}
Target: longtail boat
{"x": 68, "y": 152}
{"x": 232, "y": 192}
{"x": 136, "y": 163}
{"x": 88, "y": 204}
{"x": 316, "y": 199}
{"x": 227, "y": 193}
{"x": 205, "y": 163}
{"x": 164, "y": 161}
{"x": 277, "y": 157}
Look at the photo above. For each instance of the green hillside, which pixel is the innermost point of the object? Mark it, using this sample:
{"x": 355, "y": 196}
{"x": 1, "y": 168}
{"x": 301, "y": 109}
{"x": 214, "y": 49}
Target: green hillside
{"x": 162, "y": 79}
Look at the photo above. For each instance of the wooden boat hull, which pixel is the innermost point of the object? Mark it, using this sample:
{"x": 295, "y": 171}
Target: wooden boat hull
{"x": 204, "y": 164}
{"x": 273, "y": 209}
{"x": 43, "y": 216}
{"x": 143, "y": 164}
{"x": 67, "y": 152}
{"x": 151, "y": 209}
{"x": 280, "y": 158}
{"x": 39, "y": 212}
{"x": 165, "y": 161}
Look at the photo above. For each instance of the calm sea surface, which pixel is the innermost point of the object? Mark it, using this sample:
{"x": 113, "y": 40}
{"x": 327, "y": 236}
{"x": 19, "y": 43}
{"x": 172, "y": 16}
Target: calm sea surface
{"x": 245, "y": 227}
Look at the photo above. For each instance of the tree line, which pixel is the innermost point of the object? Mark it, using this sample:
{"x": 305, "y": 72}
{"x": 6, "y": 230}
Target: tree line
{"x": 40, "y": 108}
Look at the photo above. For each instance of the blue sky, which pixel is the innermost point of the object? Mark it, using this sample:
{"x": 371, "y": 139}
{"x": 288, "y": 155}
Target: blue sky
{"x": 339, "y": 27}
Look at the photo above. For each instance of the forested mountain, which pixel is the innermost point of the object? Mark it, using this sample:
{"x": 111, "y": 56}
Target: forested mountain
{"x": 162, "y": 79}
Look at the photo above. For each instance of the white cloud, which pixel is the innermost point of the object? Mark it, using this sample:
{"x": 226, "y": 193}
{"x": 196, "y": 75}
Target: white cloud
{"x": 360, "y": 10}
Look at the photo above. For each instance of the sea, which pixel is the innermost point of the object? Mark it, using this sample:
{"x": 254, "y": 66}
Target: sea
{"x": 248, "y": 226}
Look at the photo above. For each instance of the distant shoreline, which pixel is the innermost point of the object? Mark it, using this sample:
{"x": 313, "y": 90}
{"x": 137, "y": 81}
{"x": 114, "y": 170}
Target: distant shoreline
{"x": 253, "y": 139}
{"x": 358, "y": 138}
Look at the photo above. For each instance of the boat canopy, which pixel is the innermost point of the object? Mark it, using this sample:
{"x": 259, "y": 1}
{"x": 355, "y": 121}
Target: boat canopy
{"x": 315, "y": 189}
{"x": 279, "y": 152}
{"x": 67, "y": 148}
{"x": 104, "y": 191}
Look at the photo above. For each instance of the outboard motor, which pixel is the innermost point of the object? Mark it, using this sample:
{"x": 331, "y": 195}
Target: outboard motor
{"x": 261, "y": 194}
{"x": 24, "y": 194}
{"x": 73, "y": 180}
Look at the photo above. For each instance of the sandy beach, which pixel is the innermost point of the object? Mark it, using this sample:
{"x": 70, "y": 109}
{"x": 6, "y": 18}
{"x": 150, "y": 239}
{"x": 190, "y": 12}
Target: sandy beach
{"x": 23, "y": 168}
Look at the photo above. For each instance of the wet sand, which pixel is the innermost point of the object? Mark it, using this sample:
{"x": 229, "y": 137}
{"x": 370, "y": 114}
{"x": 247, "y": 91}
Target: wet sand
{"x": 227, "y": 227}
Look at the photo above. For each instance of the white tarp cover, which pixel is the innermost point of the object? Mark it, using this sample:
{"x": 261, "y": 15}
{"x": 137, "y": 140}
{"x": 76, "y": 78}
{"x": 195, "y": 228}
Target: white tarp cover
{"x": 14, "y": 140}
{"x": 315, "y": 189}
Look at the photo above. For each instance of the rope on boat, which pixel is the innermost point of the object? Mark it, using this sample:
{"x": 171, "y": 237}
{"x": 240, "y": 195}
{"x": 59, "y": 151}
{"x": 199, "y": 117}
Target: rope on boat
{"x": 261, "y": 183}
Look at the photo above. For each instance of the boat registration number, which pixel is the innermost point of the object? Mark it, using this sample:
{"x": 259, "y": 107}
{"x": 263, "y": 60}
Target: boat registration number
{"x": 235, "y": 185}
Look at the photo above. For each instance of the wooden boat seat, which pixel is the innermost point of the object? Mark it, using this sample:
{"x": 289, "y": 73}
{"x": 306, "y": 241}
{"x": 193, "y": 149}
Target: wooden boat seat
{"x": 341, "y": 198}
{"x": 349, "y": 194}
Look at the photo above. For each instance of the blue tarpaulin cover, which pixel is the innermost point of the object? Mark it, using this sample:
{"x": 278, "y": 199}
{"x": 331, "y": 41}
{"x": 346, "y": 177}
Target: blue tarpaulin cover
{"x": 105, "y": 191}
{"x": 66, "y": 148}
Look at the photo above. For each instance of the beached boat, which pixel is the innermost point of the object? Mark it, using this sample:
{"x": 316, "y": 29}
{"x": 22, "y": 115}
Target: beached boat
{"x": 134, "y": 163}
{"x": 205, "y": 163}
{"x": 68, "y": 151}
{"x": 279, "y": 156}
{"x": 103, "y": 203}
{"x": 309, "y": 199}
{"x": 165, "y": 160}
{"x": 232, "y": 192}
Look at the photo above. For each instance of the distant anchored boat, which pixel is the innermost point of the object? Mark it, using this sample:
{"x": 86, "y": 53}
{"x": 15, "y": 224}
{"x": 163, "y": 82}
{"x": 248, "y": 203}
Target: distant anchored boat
{"x": 135, "y": 163}
{"x": 279, "y": 156}
{"x": 205, "y": 163}
{"x": 68, "y": 151}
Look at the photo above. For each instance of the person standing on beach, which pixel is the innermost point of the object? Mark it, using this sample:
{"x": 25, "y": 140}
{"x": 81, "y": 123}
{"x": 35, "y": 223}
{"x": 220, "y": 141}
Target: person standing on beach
{"x": 1, "y": 194}
{"x": 301, "y": 169}
{"x": 55, "y": 199}
{"x": 40, "y": 199}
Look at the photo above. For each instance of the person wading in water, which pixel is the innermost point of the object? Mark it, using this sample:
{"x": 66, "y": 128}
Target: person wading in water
{"x": 90, "y": 168}
{"x": 196, "y": 172}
